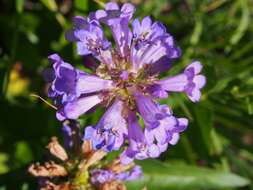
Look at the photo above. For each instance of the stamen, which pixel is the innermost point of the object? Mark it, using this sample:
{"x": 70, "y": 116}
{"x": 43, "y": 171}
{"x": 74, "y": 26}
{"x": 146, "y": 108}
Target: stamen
{"x": 42, "y": 99}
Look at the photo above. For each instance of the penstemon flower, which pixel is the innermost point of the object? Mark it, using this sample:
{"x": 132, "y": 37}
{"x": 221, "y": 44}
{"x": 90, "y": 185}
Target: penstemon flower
{"x": 125, "y": 79}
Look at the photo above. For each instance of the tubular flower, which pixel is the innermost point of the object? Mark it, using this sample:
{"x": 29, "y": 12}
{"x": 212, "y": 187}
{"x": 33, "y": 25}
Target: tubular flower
{"x": 111, "y": 130}
{"x": 103, "y": 176}
{"x": 126, "y": 79}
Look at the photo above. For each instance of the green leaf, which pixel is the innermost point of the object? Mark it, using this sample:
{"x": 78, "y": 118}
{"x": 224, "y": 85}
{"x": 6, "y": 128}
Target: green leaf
{"x": 3, "y": 165}
{"x": 20, "y": 6}
{"x": 158, "y": 175}
{"x": 204, "y": 121}
{"x": 82, "y": 5}
{"x": 23, "y": 152}
{"x": 244, "y": 22}
{"x": 197, "y": 31}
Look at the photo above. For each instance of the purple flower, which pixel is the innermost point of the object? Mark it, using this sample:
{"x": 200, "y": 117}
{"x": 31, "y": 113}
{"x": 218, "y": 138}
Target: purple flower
{"x": 189, "y": 82}
{"x": 151, "y": 112}
{"x": 169, "y": 129}
{"x": 102, "y": 176}
{"x": 110, "y": 131}
{"x": 135, "y": 173}
{"x": 157, "y": 92}
{"x": 126, "y": 77}
{"x": 146, "y": 32}
{"x": 63, "y": 79}
{"x": 153, "y": 46}
{"x": 139, "y": 146}
{"x": 90, "y": 39}
{"x": 117, "y": 19}
{"x": 69, "y": 88}
{"x": 77, "y": 107}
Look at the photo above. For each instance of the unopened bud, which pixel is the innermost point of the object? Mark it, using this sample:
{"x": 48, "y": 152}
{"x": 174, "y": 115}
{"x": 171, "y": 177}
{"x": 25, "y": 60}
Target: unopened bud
{"x": 86, "y": 148}
{"x": 117, "y": 167}
{"x": 95, "y": 157}
{"x": 51, "y": 186}
{"x": 57, "y": 150}
{"x": 113, "y": 186}
{"x": 50, "y": 169}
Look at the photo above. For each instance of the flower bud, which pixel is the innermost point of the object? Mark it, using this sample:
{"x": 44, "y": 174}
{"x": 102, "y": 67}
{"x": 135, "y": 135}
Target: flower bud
{"x": 86, "y": 147}
{"x": 113, "y": 186}
{"x": 57, "y": 150}
{"x": 50, "y": 169}
{"x": 117, "y": 167}
{"x": 94, "y": 157}
{"x": 51, "y": 186}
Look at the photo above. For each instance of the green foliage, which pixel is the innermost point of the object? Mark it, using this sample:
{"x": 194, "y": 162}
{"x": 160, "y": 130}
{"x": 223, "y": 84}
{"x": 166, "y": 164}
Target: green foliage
{"x": 178, "y": 177}
{"x": 216, "y": 150}
{"x": 3, "y": 165}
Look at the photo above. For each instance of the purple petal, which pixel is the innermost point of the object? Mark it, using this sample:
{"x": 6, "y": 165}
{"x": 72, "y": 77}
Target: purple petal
{"x": 125, "y": 158}
{"x": 109, "y": 134}
{"x": 63, "y": 80}
{"x": 118, "y": 22}
{"x": 89, "y": 132}
{"x": 189, "y": 82}
{"x": 199, "y": 81}
{"x": 146, "y": 22}
{"x": 194, "y": 95}
{"x": 174, "y": 139}
{"x": 157, "y": 91}
{"x": 100, "y": 176}
{"x": 152, "y": 44}
{"x": 73, "y": 110}
{"x": 154, "y": 151}
{"x": 196, "y": 65}
{"x": 136, "y": 173}
{"x": 111, "y": 6}
{"x": 90, "y": 38}
{"x": 91, "y": 83}
{"x": 149, "y": 110}
{"x": 127, "y": 11}
{"x": 174, "y": 84}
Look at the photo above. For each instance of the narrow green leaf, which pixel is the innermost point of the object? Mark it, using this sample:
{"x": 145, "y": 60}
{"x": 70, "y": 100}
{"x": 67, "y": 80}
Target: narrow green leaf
{"x": 249, "y": 104}
{"x": 243, "y": 25}
{"x": 197, "y": 31}
{"x": 204, "y": 121}
{"x": 183, "y": 177}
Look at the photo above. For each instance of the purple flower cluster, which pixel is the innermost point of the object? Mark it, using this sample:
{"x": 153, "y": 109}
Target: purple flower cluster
{"x": 101, "y": 176}
{"x": 127, "y": 80}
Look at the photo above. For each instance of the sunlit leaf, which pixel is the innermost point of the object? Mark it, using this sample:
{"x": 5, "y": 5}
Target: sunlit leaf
{"x": 163, "y": 177}
{"x": 3, "y": 163}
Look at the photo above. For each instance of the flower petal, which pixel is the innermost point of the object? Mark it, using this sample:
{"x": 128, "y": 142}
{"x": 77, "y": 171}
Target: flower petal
{"x": 73, "y": 110}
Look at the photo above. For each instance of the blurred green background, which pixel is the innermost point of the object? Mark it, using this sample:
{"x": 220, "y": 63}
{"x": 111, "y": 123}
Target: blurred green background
{"x": 216, "y": 152}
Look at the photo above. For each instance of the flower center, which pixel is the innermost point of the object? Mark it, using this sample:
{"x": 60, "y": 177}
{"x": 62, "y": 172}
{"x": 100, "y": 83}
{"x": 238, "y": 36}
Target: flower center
{"x": 125, "y": 81}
